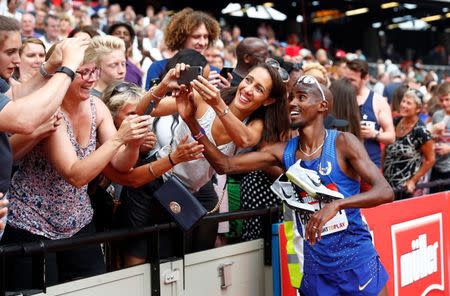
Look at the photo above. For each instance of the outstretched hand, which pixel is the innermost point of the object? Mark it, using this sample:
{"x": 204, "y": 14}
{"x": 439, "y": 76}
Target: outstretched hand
{"x": 187, "y": 151}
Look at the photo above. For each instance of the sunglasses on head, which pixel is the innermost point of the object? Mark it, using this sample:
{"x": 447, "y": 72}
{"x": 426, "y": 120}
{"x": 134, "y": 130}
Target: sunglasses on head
{"x": 283, "y": 73}
{"x": 311, "y": 80}
{"x": 418, "y": 94}
{"x": 120, "y": 88}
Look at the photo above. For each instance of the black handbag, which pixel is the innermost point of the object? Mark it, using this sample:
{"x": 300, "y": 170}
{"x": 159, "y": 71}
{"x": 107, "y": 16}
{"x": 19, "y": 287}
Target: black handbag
{"x": 180, "y": 203}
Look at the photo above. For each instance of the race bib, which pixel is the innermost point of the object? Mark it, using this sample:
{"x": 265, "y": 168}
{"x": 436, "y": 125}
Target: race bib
{"x": 336, "y": 224}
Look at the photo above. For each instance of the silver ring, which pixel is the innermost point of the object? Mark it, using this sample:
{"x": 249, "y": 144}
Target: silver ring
{"x": 314, "y": 227}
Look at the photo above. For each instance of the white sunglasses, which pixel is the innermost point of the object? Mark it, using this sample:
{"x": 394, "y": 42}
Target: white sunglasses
{"x": 308, "y": 79}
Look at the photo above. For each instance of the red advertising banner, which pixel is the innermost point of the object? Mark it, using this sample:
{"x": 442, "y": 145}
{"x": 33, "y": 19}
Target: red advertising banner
{"x": 412, "y": 238}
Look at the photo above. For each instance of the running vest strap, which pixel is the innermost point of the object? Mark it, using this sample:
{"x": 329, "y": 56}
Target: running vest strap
{"x": 368, "y": 114}
{"x": 339, "y": 250}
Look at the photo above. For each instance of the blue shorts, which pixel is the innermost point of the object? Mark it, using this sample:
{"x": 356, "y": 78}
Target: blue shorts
{"x": 365, "y": 280}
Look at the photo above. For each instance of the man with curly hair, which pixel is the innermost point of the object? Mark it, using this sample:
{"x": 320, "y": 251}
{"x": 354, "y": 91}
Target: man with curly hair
{"x": 186, "y": 29}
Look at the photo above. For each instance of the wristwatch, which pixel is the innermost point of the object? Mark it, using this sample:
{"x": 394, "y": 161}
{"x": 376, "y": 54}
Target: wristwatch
{"x": 66, "y": 71}
{"x": 44, "y": 72}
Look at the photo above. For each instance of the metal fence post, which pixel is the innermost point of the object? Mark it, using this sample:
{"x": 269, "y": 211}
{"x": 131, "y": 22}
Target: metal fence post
{"x": 153, "y": 251}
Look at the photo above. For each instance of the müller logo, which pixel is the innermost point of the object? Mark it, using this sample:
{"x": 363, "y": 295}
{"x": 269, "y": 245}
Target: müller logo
{"x": 418, "y": 256}
{"x": 419, "y": 263}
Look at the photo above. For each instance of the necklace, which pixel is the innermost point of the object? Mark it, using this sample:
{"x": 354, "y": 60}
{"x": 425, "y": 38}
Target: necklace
{"x": 317, "y": 149}
{"x": 405, "y": 127}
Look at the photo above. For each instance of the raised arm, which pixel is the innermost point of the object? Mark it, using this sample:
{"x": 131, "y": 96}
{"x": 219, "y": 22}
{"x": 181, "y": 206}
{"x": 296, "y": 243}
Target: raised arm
{"x": 229, "y": 127}
{"x": 137, "y": 126}
{"x": 79, "y": 172}
{"x": 32, "y": 105}
{"x": 222, "y": 163}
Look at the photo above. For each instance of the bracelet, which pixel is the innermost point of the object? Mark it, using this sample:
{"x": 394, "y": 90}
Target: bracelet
{"x": 200, "y": 134}
{"x": 155, "y": 96}
{"x": 150, "y": 169}
{"x": 170, "y": 160}
{"x": 44, "y": 72}
{"x": 66, "y": 71}
{"x": 225, "y": 112}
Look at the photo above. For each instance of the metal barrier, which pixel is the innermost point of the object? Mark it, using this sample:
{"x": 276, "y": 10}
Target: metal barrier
{"x": 38, "y": 249}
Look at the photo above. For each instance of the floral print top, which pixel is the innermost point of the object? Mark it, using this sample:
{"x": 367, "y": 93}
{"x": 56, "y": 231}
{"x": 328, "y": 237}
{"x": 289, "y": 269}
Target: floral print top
{"x": 42, "y": 201}
{"x": 404, "y": 158}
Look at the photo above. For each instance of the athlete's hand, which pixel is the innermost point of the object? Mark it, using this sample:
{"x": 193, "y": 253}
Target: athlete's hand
{"x": 318, "y": 220}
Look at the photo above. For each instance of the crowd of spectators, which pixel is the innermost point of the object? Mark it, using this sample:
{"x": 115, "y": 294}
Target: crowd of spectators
{"x": 91, "y": 129}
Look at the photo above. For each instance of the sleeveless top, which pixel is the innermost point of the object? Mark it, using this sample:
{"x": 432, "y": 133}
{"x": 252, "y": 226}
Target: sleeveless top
{"x": 368, "y": 114}
{"x": 340, "y": 250}
{"x": 42, "y": 201}
{"x": 195, "y": 173}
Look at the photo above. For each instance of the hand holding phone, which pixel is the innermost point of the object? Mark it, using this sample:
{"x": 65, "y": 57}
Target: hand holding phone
{"x": 189, "y": 74}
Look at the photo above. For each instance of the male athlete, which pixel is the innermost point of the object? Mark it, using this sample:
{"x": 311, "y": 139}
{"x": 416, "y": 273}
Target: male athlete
{"x": 335, "y": 254}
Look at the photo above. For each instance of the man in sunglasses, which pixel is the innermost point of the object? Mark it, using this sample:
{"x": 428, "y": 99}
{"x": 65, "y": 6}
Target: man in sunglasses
{"x": 331, "y": 250}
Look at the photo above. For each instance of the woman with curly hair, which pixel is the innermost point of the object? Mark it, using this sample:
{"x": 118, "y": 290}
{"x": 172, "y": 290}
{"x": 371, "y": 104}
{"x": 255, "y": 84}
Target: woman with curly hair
{"x": 186, "y": 29}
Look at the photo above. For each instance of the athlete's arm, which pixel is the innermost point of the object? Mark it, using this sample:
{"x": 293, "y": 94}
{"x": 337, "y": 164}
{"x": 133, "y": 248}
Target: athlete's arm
{"x": 246, "y": 162}
{"x": 359, "y": 161}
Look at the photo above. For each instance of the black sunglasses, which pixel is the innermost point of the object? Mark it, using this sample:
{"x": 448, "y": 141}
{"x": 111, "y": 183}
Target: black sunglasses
{"x": 120, "y": 88}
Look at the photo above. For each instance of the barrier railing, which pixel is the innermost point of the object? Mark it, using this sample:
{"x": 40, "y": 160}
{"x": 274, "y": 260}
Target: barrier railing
{"x": 38, "y": 249}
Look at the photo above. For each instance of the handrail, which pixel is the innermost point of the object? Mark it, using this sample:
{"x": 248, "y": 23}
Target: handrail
{"x": 39, "y": 248}
{"x": 72, "y": 243}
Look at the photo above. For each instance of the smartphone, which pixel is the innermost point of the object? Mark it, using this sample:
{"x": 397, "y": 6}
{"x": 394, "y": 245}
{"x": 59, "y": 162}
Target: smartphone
{"x": 225, "y": 70}
{"x": 189, "y": 74}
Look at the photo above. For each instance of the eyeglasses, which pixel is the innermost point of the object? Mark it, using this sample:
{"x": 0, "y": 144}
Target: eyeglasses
{"x": 308, "y": 79}
{"x": 120, "y": 88}
{"x": 89, "y": 74}
{"x": 283, "y": 73}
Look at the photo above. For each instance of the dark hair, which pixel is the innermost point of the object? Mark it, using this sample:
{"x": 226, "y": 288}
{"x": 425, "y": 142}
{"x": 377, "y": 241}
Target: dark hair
{"x": 346, "y": 106}
{"x": 397, "y": 97}
{"x": 90, "y": 30}
{"x": 190, "y": 57}
{"x": 127, "y": 26}
{"x": 187, "y": 56}
{"x": 184, "y": 22}
{"x": 274, "y": 116}
{"x": 360, "y": 66}
{"x": 50, "y": 16}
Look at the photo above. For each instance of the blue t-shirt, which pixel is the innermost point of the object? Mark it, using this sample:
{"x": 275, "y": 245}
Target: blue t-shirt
{"x": 342, "y": 250}
{"x": 6, "y": 159}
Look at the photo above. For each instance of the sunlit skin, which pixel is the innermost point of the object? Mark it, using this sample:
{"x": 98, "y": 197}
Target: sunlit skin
{"x": 198, "y": 39}
{"x": 409, "y": 107}
{"x": 33, "y": 55}
{"x": 9, "y": 53}
{"x": 253, "y": 91}
{"x": 80, "y": 88}
{"x": 113, "y": 67}
{"x": 124, "y": 112}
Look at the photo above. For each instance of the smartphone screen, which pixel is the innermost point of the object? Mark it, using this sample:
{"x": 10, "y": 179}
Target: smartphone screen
{"x": 224, "y": 72}
{"x": 189, "y": 74}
